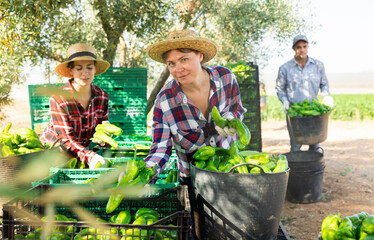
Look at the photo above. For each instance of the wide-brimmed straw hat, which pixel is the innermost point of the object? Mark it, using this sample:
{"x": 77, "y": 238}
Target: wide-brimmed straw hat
{"x": 185, "y": 38}
{"x": 81, "y": 51}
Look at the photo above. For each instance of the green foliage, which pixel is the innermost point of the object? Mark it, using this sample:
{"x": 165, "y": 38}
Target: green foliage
{"x": 242, "y": 71}
{"x": 347, "y": 107}
{"x": 353, "y": 107}
{"x": 40, "y": 31}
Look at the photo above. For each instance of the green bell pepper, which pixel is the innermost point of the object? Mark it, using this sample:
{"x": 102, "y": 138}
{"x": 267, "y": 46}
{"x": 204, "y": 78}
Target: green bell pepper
{"x": 72, "y": 163}
{"x": 148, "y": 212}
{"x": 218, "y": 120}
{"x": 136, "y": 232}
{"x": 329, "y": 226}
{"x": 367, "y": 227}
{"x": 101, "y": 135}
{"x": 258, "y": 170}
{"x": 282, "y": 163}
{"x": 204, "y": 153}
{"x": 246, "y": 153}
{"x": 6, "y": 151}
{"x": 200, "y": 164}
{"x": 210, "y": 165}
{"x": 237, "y": 159}
{"x": 172, "y": 176}
{"x": 124, "y": 217}
{"x": 270, "y": 165}
{"x": 33, "y": 143}
{"x": 243, "y": 131}
{"x": 349, "y": 227}
{"x": 25, "y": 133}
{"x": 258, "y": 158}
{"x": 109, "y": 128}
{"x": 135, "y": 174}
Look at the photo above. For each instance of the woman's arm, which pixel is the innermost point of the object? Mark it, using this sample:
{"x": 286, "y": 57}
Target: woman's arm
{"x": 64, "y": 125}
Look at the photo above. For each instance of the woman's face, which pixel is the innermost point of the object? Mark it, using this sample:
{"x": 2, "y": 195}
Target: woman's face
{"x": 83, "y": 72}
{"x": 184, "y": 67}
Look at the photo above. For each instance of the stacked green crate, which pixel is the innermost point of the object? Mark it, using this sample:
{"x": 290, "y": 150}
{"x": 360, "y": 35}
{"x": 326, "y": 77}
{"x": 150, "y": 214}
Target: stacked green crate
{"x": 39, "y": 107}
{"x": 127, "y": 90}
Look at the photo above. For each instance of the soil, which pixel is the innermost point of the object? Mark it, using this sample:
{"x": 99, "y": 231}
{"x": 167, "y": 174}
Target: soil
{"x": 348, "y": 178}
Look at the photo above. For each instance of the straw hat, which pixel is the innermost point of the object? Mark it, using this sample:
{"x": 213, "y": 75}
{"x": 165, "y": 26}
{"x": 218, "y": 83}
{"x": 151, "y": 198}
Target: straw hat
{"x": 81, "y": 51}
{"x": 185, "y": 38}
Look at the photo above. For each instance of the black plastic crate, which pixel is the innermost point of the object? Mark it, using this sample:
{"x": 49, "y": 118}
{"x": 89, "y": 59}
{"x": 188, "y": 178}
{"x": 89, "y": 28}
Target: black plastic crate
{"x": 250, "y": 95}
{"x": 21, "y": 216}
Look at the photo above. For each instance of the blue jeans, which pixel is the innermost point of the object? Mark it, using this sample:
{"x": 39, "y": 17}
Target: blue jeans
{"x": 294, "y": 146}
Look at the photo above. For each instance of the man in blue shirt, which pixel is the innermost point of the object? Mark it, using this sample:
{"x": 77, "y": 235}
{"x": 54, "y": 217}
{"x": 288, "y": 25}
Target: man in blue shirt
{"x": 301, "y": 78}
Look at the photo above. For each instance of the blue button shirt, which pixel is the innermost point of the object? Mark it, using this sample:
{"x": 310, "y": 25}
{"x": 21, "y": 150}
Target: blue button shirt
{"x": 296, "y": 84}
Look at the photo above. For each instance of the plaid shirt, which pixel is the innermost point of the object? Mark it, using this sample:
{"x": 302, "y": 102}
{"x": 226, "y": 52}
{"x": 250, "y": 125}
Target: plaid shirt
{"x": 75, "y": 125}
{"x": 296, "y": 84}
{"x": 177, "y": 120}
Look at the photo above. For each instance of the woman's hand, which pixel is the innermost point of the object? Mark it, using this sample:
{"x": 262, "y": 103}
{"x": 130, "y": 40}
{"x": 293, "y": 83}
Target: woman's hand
{"x": 226, "y": 131}
{"x": 98, "y": 161}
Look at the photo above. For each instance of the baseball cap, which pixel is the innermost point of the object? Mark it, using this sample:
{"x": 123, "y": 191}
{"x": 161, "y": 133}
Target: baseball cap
{"x": 299, "y": 38}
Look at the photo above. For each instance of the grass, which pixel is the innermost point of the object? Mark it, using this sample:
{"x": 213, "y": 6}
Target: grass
{"x": 347, "y": 107}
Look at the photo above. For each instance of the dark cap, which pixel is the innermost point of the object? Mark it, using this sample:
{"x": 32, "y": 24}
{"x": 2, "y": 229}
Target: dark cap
{"x": 299, "y": 38}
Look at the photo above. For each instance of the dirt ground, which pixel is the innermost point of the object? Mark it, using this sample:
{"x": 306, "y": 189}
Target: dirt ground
{"x": 348, "y": 185}
{"x": 348, "y": 179}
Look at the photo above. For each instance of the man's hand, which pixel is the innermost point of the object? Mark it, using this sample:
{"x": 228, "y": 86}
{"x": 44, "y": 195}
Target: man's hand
{"x": 226, "y": 131}
{"x": 328, "y": 101}
{"x": 286, "y": 106}
{"x": 98, "y": 161}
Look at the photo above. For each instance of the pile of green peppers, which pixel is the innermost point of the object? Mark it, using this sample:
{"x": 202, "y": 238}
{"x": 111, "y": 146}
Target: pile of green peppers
{"x": 136, "y": 174}
{"x": 58, "y": 233}
{"x": 358, "y": 226}
{"x": 303, "y": 109}
{"x": 222, "y": 160}
{"x": 103, "y": 132}
{"x": 23, "y": 140}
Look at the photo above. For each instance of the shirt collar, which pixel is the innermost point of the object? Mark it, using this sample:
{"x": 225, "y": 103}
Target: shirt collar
{"x": 214, "y": 78}
{"x": 309, "y": 61}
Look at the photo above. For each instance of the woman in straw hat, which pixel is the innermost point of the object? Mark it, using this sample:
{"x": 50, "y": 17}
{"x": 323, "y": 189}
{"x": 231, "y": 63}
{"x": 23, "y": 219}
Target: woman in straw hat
{"x": 74, "y": 116}
{"x": 182, "y": 112}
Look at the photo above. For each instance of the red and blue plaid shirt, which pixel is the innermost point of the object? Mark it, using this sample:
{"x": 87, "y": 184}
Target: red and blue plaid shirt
{"x": 176, "y": 120}
{"x": 73, "y": 124}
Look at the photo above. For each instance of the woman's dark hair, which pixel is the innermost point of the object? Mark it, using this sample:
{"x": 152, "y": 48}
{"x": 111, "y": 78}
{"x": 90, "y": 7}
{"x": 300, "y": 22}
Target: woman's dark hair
{"x": 183, "y": 50}
{"x": 71, "y": 64}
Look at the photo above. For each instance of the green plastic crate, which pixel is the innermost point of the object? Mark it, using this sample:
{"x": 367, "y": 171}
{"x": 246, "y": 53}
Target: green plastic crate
{"x": 172, "y": 206}
{"x": 61, "y": 175}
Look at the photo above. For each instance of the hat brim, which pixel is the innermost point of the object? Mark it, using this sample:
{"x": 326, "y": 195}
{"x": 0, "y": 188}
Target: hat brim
{"x": 63, "y": 70}
{"x": 207, "y": 47}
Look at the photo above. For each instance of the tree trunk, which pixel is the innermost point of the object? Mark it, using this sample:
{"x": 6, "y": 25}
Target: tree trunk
{"x": 160, "y": 83}
{"x": 122, "y": 52}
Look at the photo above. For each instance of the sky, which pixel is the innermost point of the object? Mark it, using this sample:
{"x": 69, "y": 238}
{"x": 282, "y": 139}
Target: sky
{"x": 344, "y": 41}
